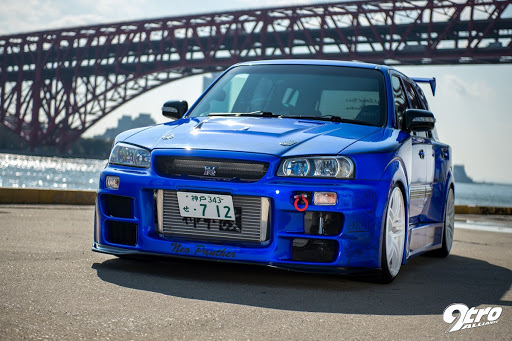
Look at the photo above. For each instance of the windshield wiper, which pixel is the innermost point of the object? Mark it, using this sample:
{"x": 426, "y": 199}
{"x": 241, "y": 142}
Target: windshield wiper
{"x": 258, "y": 113}
{"x": 331, "y": 118}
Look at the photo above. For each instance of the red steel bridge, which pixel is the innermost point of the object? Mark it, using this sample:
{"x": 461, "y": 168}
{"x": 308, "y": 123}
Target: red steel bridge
{"x": 56, "y": 84}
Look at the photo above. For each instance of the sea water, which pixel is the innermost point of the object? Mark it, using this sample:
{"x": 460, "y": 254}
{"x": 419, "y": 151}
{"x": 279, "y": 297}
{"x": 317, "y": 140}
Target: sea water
{"x": 22, "y": 171}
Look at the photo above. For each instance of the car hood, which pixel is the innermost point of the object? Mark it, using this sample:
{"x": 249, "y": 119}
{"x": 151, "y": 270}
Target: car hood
{"x": 267, "y": 135}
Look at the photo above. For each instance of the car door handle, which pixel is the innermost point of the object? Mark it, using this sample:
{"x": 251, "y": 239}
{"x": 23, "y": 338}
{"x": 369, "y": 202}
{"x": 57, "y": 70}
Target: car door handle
{"x": 421, "y": 154}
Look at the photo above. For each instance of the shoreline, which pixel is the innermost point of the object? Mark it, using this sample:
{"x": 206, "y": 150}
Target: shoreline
{"x": 51, "y": 155}
{"x": 482, "y": 183}
{"x": 39, "y": 196}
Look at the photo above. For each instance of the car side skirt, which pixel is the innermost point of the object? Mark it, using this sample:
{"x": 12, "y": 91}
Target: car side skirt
{"x": 426, "y": 237}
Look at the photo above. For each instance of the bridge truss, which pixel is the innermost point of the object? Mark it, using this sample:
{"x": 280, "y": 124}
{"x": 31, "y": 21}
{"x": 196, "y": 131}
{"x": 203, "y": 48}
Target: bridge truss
{"x": 56, "y": 84}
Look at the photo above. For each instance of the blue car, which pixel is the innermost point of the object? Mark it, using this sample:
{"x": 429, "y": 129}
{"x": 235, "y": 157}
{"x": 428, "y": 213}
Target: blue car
{"x": 308, "y": 165}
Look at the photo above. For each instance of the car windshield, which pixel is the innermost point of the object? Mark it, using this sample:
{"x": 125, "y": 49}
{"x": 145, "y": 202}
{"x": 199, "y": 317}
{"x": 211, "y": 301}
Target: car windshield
{"x": 304, "y": 91}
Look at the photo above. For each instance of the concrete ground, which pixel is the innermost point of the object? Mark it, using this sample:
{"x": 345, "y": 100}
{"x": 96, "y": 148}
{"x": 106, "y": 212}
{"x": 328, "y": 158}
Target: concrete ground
{"x": 53, "y": 287}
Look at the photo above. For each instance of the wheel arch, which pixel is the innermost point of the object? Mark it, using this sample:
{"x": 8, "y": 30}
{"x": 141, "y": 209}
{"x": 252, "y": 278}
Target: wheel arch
{"x": 449, "y": 185}
{"x": 397, "y": 171}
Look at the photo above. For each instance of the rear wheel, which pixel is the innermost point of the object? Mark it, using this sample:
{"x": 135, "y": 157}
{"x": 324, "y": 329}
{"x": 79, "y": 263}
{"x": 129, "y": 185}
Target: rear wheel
{"x": 449, "y": 226}
{"x": 393, "y": 240}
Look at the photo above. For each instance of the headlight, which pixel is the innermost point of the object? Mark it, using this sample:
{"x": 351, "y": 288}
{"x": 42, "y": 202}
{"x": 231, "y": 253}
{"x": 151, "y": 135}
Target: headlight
{"x": 128, "y": 155}
{"x": 323, "y": 167}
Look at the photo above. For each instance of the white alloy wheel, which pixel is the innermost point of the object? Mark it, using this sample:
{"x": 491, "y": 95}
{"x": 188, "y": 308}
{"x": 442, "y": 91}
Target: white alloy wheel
{"x": 449, "y": 221}
{"x": 395, "y": 232}
{"x": 449, "y": 226}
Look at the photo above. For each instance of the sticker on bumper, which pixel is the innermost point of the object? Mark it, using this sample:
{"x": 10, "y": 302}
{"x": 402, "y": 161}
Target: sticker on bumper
{"x": 201, "y": 250}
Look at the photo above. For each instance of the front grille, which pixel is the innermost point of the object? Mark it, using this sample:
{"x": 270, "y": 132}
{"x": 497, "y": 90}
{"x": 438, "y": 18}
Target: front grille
{"x": 251, "y": 212}
{"x": 223, "y": 169}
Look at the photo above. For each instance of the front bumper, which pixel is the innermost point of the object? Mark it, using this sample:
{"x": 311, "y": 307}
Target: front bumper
{"x": 356, "y": 246}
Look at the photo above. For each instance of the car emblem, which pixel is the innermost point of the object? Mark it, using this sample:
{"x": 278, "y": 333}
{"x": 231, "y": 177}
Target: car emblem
{"x": 210, "y": 171}
{"x": 288, "y": 143}
{"x": 168, "y": 136}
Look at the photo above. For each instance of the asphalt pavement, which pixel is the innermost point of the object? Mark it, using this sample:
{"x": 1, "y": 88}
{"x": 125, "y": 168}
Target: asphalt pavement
{"x": 53, "y": 286}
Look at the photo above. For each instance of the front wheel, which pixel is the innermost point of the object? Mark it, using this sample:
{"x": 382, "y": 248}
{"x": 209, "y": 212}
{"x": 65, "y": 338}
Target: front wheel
{"x": 393, "y": 239}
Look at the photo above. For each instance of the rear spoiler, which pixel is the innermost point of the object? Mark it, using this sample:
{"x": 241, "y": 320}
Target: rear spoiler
{"x": 431, "y": 81}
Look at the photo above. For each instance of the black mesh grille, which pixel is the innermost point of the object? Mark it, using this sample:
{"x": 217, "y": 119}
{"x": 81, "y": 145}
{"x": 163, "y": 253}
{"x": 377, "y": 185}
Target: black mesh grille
{"x": 323, "y": 223}
{"x": 121, "y": 233}
{"x": 117, "y": 206}
{"x": 224, "y": 169}
{"x": 314, "y": 250}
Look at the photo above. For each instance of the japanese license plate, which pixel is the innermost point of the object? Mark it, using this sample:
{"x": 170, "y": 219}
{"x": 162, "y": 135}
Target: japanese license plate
{"x": 206, "y": 206}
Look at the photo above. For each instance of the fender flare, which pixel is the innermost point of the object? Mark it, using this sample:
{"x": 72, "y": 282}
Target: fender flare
{"x": 398, "y": 177}
{"x": 449, "y": 183}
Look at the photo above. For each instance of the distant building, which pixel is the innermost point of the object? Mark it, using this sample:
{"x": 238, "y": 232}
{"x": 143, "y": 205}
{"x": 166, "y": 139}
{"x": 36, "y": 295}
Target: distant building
{"x": 127, "y": 122}
{"x": 460, "y": 175}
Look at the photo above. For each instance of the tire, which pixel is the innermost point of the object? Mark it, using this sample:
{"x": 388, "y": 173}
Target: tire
{"x": 448, "y": 227}
{"x": 393, "y": 237}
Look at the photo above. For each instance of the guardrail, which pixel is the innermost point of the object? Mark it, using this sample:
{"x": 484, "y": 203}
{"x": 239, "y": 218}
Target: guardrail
{"x": 483, "y": 210}
{"x": 46, "y": 196}
{"x": 81, "y": 197}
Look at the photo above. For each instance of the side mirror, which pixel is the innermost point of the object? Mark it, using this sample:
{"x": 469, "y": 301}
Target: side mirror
{"x": 419, "y": 120}
{"x": 174, "y": 109}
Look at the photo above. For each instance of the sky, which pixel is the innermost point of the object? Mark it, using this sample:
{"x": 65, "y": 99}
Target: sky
{"x": 472, "y": 102}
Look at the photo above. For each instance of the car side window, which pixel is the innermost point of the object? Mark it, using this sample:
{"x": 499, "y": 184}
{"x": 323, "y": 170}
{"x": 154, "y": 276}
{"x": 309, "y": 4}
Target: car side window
{"x": 433, "y": 134}
{"x": 400, "y": 101}
{"x": 423, "y": 98}
{"x": 421, "y": 94}
{"x": 413, "y": 96}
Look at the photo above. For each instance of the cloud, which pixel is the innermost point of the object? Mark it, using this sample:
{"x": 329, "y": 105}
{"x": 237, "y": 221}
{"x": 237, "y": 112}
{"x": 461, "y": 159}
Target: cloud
{"x": 39, "y": 15}
{"x": 276, "y": 3}
{"x": 16, "y": 17}
{"x": 122, "y": 7}
{"x": 475, "y": 88}
{"x": 76, "y": 20}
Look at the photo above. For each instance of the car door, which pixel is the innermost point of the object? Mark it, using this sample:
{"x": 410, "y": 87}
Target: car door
{"x": 417, "y": 168}
{"x": 437, "y": 172}
{"x": 423, "y": 163}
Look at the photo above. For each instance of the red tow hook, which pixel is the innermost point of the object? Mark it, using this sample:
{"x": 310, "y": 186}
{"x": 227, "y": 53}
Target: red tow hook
{"x": 297, "y": 201}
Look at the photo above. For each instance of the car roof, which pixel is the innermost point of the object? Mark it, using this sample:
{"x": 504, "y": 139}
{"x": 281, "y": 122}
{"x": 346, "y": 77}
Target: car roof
{"x": 324, "y": 62}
